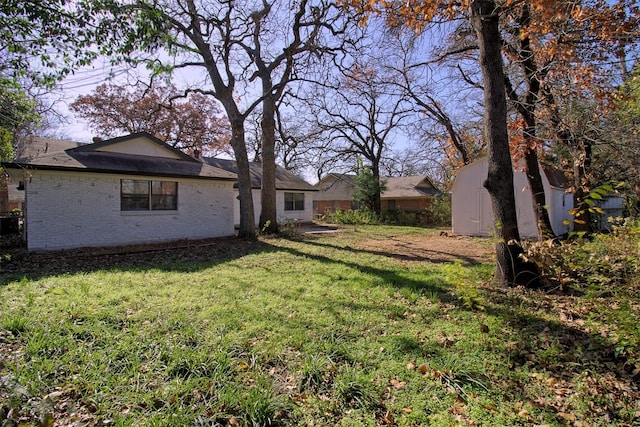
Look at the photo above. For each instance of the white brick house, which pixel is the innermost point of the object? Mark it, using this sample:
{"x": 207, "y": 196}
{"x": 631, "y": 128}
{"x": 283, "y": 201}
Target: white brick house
{"x": 294, "y": 196}
{"x": 126, "y": 190}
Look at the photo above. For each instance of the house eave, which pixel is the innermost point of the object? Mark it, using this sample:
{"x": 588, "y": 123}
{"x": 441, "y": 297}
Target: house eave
{"x": 31, "y": 167}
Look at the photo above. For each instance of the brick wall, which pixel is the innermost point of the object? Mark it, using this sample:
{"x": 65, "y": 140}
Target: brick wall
{"x": 406, "y": 204}
{"x": 69, "y": 210}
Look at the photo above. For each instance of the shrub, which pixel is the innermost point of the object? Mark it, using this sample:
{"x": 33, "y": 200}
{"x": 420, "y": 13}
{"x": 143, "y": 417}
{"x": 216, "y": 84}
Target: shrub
{"x": 603, "y": 260}
{"x": 356, "y": 217}
{"x": 400, "y": 217}
{"x": 439, "y": 212}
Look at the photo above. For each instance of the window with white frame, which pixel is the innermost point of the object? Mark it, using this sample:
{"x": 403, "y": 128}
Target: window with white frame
{"x": 144, "y": 195}
{"x": 293, "y": 201}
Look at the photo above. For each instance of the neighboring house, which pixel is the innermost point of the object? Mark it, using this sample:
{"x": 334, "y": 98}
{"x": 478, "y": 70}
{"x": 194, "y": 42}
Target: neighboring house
{"x": 293, "y": 194}
{"x": 335, "y": 191}
{"x": 410, "y": 193}
{"x": 471, "y": 212}
{"x": 126, "y": 190}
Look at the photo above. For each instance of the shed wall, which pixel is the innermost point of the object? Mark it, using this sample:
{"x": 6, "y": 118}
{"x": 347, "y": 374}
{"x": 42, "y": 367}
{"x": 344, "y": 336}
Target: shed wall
{"x": 471, "y": 206}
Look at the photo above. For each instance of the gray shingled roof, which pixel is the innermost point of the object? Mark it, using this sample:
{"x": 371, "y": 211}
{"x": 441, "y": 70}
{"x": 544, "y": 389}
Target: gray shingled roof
{"x": 285, "y": 180}
{"x": 398, "y": 187}
{"x": 407, "y": 187}
{"x": 83, "y": 158}
{"x": 37, "y": 146}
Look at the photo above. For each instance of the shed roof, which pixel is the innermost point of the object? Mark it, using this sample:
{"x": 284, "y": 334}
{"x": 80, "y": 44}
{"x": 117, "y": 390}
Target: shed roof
{"x": 285, "y": 180}
{"x": 556, "y": 177}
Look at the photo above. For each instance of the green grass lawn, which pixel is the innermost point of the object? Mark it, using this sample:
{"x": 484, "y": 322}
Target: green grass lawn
{"x": 312, "y": 331}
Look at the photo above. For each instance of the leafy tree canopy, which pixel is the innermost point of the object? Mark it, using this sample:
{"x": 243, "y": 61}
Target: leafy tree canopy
{"x": 190, "y": 122}
{"x": 17, "y": 110}
{"x": 628, "y": 101}
{"x": 367, "y": 188}
{"x": 40, "y": 41}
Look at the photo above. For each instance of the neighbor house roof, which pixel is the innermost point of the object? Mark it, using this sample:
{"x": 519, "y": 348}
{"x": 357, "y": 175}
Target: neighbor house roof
{"x": 396, "y": 187}
{"x": 408, "y": 187}
{"x": 285, "y": 180}
{"x": 36, "y": 146}
{"x": 88, "y": 158}
{"x": 344, "y": 177}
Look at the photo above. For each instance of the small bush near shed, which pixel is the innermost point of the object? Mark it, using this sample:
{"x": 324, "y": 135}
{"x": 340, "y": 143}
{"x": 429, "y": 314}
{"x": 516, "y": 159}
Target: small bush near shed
{"x": 353, "y": 217}
{"x": 609, "y": 260}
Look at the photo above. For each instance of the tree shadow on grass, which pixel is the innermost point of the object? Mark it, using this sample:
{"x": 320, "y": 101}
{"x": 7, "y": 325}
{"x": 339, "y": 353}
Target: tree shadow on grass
{"x": 552, "y": 347}
{"x": 178, "y": 256}
{"x": 562, "y": 350}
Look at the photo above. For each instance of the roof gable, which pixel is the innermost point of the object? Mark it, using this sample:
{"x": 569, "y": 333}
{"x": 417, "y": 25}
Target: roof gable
{"x": 138, "y": 144}
{"x": 333, "y": 180}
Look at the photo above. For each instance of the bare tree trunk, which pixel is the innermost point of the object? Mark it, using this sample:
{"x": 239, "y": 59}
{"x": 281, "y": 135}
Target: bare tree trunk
{"x": 247, "y": 228}
{"x": 511, "y": 269}
{"x": 268, "y": 212}
{"x": 537, "y": 190}
{"x": 4, "y": 193}
{"x": 582, "y": 153}
{"x": 375, "y": 170}
{"x": 527, "y": 109}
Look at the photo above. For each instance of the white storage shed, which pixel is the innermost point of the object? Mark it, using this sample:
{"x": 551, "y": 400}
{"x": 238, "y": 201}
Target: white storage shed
{"x": 471, "y": 205}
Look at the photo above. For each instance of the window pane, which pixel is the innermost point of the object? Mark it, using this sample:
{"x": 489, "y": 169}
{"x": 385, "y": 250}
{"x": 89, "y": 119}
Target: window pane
{"x": 134, "y": 195}
{"x": 159, "y": 202}
{"x": 134, "y": 186}
{"x": 293, "y": 201}
{"x": 164, "y": 195}
{"x": 134, "y": 203}
{"x": 164, "y": 187}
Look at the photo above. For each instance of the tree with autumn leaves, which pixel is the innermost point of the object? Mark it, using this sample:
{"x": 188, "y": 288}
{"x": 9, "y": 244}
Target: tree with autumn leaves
{"x": 546, "y": 37}
{"x": 193, "y": 123}
{"x": 564, "y": 55}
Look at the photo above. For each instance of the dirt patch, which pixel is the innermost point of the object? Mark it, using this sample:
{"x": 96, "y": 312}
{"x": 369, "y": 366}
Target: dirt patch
{"x": 437, "y": 249}
{"x": 15, "y": 260}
